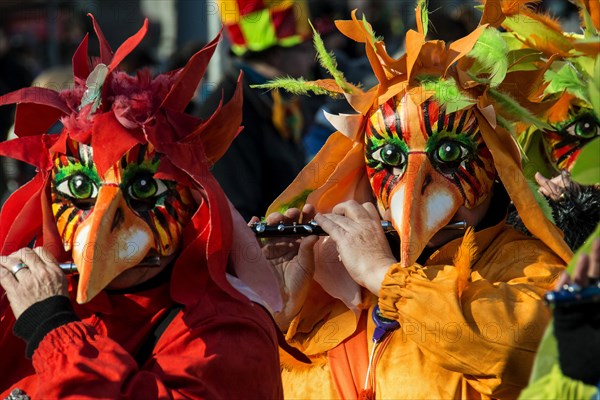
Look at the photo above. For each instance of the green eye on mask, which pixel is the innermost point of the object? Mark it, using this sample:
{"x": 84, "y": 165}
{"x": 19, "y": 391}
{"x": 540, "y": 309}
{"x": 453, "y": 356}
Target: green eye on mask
{"x": 145, "y": 187}
{"x": 78, "y": 186}
{"x": 586, "y": 127}
{"x": 449, "y": 152}
{"x": 391, "y": 155}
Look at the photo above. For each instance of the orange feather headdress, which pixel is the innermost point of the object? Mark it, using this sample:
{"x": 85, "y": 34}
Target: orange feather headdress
{"x": 452, "y": 76}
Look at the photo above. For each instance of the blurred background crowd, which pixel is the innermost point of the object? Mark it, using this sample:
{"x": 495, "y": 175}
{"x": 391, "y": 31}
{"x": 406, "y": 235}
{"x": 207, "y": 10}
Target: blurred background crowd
{"x": 38, "y": 39}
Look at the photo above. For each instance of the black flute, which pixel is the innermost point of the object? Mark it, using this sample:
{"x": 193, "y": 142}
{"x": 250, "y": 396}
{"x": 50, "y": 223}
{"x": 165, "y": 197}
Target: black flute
{"x": 71, "y": 268}
{"x": 261, "y": 229}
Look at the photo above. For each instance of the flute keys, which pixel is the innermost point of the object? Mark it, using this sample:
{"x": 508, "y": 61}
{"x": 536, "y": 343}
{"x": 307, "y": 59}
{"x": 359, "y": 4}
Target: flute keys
{"x": 260, "y": 227}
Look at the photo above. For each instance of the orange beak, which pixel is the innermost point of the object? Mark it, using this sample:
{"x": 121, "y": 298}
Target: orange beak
{"x": 111, "y": 240}
{"x": 421, "y": 204}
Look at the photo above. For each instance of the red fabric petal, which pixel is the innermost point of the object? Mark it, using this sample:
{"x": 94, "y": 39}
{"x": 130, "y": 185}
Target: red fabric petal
{"x": 181, "y": 125}
{"x": 30, "y": 149}
{"x": 128, "y": 46}
{"x": 166, "y": 170}
{"x": 21, "y": 216}
{"x": 219, "y": 242}
{"x": 81, "y": 61}
{"x": 190, "y": 273}
{"x": 189, "y": 77}
{"x": 35, "y": 119}
{"x": 215, "y": 238}
{"x": 223, "y": 126}
{"x": 50, "y": 238}
{"x": 36, "y": 95}
{"x": 106, "y": 53}
{"x": 110, "y": 140}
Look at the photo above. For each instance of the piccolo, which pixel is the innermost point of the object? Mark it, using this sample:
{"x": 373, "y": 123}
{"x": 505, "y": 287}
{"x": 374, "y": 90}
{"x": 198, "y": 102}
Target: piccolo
{"x": 71, "y": 268}
{"x": 261, "y": 229}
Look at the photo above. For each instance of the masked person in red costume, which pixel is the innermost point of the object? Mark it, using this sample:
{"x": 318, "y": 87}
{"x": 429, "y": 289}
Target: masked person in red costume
{"x": 124, "y": 195}
{"x": 446, "y": 313}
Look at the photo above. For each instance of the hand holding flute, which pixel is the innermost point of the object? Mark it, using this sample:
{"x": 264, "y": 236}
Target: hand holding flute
{"x": 262, "y": 229}
{"x": 292, "y": 259}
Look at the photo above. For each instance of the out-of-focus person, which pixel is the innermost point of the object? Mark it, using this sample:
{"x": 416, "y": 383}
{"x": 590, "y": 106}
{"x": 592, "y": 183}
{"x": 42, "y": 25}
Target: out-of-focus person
{"x": 270, "y": 40}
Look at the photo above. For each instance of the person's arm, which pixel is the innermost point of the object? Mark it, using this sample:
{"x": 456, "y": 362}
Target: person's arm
{"x": 490, "y": 330}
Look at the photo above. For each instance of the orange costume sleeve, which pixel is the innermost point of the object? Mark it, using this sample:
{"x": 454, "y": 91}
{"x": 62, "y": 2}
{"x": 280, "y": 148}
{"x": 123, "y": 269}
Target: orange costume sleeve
{"x": 488, "y": 330}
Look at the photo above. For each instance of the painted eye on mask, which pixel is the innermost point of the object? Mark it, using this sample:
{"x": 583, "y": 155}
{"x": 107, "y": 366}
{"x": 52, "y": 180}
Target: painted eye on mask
{"x": 450, "y": 151}
{"x": 391, "y": 156}
{"x": 585, "y": 126}
{"x": 78, "y": 187}
{"x": 145, "y": 187}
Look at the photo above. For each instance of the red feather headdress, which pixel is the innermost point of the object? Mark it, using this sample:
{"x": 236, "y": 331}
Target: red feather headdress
{"x": 113, "y": 112}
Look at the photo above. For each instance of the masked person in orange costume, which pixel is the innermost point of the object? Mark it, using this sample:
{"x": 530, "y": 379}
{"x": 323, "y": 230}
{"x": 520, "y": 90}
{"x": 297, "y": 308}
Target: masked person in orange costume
{"x": 124, "y": 193}
{"x": 453, "y": 314}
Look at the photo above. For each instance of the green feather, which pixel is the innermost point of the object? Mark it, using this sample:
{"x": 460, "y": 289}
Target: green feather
{"x": 506, "y": 124}
{"x": 516, "y": 111}
{"x": 422, "y": 5}
{"x": 295, "y": 86}
{"x": 328, "y": 61}
{"x": 509, "y": 126}
{"x": 490, "y": 54}
{"x": 369, "y": 28}
{"x": 296, "y": 202}
{"x": 447, "y": 93}
{"x": 594, "y": 89}
{"x": 568, "y": 78}
{"x": 541, "y": 200}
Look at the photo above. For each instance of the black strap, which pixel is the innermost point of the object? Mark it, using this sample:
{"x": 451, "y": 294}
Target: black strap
{"x": 146, "y": 350}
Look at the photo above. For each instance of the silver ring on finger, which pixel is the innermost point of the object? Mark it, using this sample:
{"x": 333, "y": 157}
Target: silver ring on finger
{"x": 15, "y": 269}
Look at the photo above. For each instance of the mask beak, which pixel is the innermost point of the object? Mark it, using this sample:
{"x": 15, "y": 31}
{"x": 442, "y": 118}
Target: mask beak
{"x": 111, "y": 240}
{"x": 421, "y": 204}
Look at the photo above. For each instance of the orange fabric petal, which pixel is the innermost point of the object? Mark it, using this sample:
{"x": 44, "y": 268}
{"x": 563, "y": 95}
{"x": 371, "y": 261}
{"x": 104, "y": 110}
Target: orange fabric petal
{"x": 462, "y": 46}
{"x": 414, "y": 43}
{"x": 315, "y": 173}
{"x": 362, "y": 102}
{"x": 353, "y": 29}
{"x": 511, "y": 175}
{"x": 347, "y": 182}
